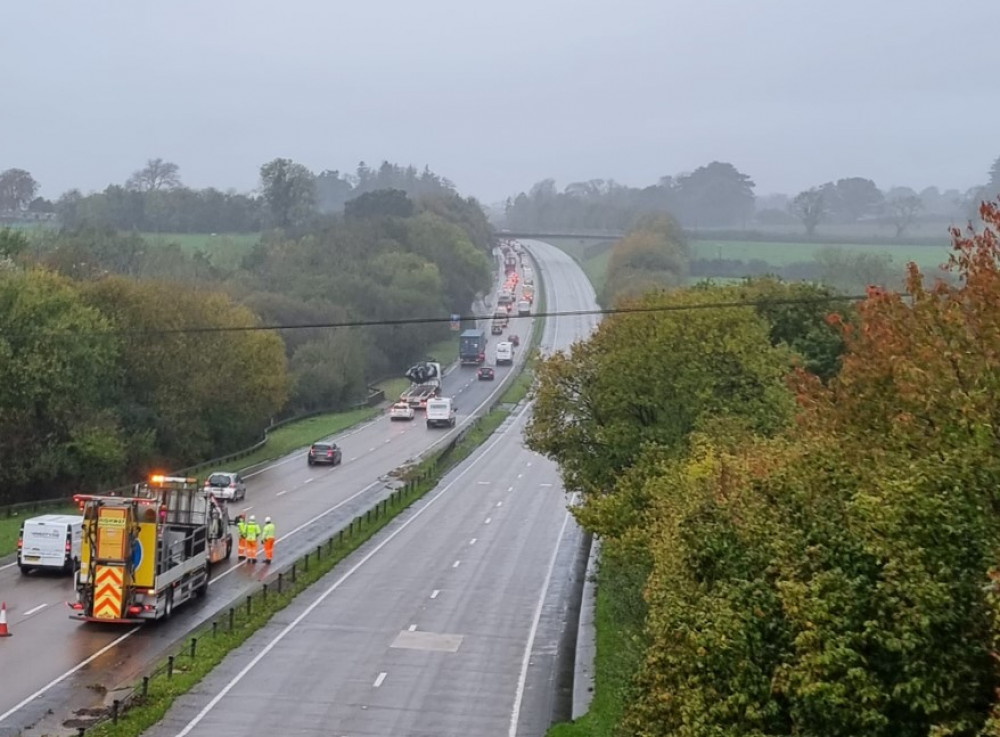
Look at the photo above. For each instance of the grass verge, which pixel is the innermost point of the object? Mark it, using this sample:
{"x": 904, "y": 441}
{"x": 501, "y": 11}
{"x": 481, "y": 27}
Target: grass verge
{"x": 299, "y": 434}
{"x": 619, "y": 621}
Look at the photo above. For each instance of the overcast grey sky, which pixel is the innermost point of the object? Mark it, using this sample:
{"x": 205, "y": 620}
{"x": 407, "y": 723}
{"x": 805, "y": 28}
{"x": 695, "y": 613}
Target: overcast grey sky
{"x": 499, "y": 94}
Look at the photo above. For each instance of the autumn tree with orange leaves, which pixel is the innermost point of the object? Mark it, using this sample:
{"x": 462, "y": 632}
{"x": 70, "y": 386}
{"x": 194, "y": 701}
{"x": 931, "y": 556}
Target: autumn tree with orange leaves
{"x": 839, "y": 579}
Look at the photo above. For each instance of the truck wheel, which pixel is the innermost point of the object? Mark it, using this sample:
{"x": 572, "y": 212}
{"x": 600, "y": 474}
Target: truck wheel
{"x": 168, "y": 607}
{"x": 202, "y": 589}
{"x": 229, "y": 547}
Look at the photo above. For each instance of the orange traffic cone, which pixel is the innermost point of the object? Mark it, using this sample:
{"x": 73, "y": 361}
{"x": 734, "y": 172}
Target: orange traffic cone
{"x": 3, "y": 620}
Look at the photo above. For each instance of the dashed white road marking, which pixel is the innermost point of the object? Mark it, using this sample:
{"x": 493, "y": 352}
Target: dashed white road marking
{"x": 36, "y": 609}
{"x": 487, "y": 520}
{"x": 499, "y": 504}
{"x": 520, "y": 476}
{"x": 473, "y": 541}
{"x": 380, "y": 679}
{"x": 412, "y": 628}
{"x": 456, "y": 564}
{"x": 510, "y": 488}
{"x": 545, "y": 484}
{"x": 434, "y": 593}
{"x": 282, "y": 492}
{"x": 307, "y": 481}
{"x": 482, "y": 483}
{"x": 213, "y": 702}
{"x": 247, "y": 509}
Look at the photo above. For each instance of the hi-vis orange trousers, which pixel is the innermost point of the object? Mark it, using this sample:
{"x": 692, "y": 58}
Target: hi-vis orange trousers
{"x": 241, "y": 548}
{"x": 268, "y": 549}
{"x": 252, "y": 551}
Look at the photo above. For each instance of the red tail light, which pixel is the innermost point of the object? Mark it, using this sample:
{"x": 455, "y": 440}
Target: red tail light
{"x": 134, "y": 609}
{"x": 329, "y": 454}
{"x": 69, "y": 546}
{"x": 20, "y": 542}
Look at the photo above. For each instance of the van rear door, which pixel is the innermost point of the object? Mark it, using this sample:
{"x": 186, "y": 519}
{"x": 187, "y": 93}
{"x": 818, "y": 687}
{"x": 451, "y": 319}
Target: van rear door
{"x": 43, "y": 543}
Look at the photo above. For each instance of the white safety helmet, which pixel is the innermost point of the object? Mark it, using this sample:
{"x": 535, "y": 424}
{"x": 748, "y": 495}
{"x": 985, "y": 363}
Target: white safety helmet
{"x": 267, "y": 519}
{"x": 253, "y": 518}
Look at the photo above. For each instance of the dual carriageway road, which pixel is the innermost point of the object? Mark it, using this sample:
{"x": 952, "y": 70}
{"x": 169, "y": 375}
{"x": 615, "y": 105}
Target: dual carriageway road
{"x": 452, "y": 621}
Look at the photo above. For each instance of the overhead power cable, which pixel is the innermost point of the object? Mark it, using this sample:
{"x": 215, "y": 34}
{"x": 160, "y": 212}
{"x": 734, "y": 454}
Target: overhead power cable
{"x": 207, "y": 329}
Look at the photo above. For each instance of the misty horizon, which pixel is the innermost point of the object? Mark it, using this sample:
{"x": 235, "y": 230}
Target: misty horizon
{"x": 499, "y": 98}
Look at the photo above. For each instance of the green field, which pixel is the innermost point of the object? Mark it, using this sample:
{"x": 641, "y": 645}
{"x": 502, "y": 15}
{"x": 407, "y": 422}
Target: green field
{"x": 223, "y": 249}
{"x": 928, "y": 258}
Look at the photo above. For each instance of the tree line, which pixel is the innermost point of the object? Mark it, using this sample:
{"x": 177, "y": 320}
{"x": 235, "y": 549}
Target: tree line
{"x": 103, "y": 380}
{"x": 718, "y": 195}
{"x": 154, "y": 198}
{"x": 801, "y": 497}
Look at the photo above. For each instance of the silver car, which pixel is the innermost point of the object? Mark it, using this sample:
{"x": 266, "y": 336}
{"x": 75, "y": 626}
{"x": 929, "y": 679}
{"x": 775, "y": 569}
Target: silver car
{"x": 227, "y": 485}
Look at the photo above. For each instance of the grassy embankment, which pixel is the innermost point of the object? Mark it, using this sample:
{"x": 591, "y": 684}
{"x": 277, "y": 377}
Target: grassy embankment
{"x": 213, "y": 644}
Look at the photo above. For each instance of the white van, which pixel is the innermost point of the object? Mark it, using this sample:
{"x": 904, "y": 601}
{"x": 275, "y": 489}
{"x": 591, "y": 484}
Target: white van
{"x": 51, "y": 541}
{"x": 441, "y": 412}
{"x": 505, "y": 353}
{"x": 524, "y": 307}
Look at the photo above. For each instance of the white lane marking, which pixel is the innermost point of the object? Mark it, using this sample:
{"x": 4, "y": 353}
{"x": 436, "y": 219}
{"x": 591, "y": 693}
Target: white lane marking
{"x": 528, "y": 463}
{"x": 522, "y": 679}
{"x": 520, "y": 476}
{"x": 456, "y": 564}
{"x": 333, "y": 587}
{"x": 434, "y": 593}
{"x": 499, "y": 504}
{"x": 545, "y": 484}
{"x": 511, "y": 488}
{"x": 9, "y": 565}
{"x": 114, "y": 643}
{"x": 473, "y": 541}
{"x": 482, "y": 483}
{"x": 412, "y": 628}
{"x": 308, "y": 480}
{"x": 371, "y": 450}
{"x": 301, "y": 527}
{"x": 36, "y": 609}
{"x": 282, "y": 492}
{"x": 487, "y": 520}
{"x": 380, "y": 680}
{"x": 388, "y": 440}
{"x": 353, "y": 458}
{"x": 247, "y": 509}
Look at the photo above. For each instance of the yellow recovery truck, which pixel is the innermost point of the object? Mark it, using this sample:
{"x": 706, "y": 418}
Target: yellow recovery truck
{"x": 146, "y": 553}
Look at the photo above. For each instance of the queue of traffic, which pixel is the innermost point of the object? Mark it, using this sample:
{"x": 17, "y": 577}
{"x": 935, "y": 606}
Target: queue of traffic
{"x": 136, "y": 556}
